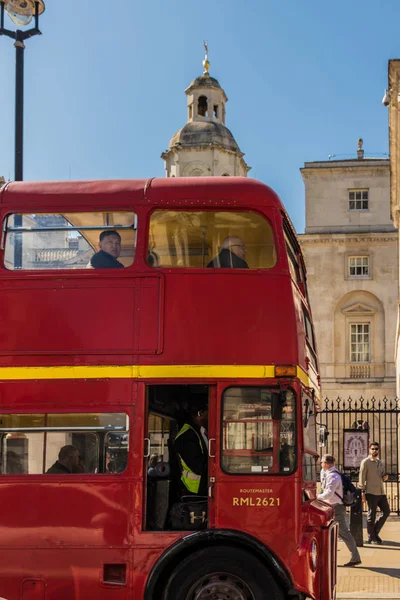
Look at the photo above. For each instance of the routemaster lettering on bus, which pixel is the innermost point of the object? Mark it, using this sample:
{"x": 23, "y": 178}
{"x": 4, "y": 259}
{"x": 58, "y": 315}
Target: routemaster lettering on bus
{"x": 257, "y": 501}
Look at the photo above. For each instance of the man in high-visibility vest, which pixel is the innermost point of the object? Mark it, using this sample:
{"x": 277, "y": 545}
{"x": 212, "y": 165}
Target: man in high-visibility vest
{"x": 191, "y": 445}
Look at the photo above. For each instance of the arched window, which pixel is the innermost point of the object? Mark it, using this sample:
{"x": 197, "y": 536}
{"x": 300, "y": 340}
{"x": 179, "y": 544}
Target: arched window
{"x": 202, "y": 106}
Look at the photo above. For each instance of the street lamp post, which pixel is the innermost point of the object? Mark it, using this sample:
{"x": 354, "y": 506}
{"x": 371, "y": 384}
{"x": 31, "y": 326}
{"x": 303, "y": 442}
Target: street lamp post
{"x": 21, "y": 13}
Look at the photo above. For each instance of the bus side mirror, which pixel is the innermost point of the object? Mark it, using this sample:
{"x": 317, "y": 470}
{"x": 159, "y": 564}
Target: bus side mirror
{"x": 323, "y": 436}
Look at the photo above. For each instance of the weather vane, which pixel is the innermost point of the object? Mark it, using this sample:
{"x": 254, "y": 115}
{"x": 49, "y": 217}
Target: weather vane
{"x": 206, "y": 63}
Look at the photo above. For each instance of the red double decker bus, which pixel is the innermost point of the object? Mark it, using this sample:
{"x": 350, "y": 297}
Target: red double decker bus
{"x": 201, "y": 300}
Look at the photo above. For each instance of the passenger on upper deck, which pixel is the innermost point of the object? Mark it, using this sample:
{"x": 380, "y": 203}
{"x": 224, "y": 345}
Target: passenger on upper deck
{"x": 232, "y": 255}
{"x": 68, "y": 461}
{"x": 110, "y": 249}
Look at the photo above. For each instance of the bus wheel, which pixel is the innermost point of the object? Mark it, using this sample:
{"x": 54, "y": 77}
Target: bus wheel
{"x": 221, "y": 573}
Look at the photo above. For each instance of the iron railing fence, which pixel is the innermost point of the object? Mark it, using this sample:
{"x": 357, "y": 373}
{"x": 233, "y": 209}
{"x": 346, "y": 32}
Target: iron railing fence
{"x": 352, "y": 425}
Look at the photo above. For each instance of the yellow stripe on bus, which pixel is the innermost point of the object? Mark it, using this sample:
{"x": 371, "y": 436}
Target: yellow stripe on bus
{"x": 145, "y": 372}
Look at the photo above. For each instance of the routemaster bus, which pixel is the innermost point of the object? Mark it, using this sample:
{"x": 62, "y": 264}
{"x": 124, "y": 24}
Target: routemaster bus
{"x": 97, "y": 364}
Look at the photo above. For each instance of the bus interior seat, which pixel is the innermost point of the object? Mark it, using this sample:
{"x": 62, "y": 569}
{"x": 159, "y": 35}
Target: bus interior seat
{"x": 158, "y": 493}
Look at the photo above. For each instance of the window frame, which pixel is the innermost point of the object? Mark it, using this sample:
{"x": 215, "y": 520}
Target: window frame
{"x": 43, "y": 429}
{"x": 355, "y": 266}
{"x": 310, "y": 337}
{"x": 295, "y": 257}
{"x": 280, "y": 472}
{"x": 312, "y": 459}
{"x": 309, "y": 420}
{"x": 362, "y": 200}
{"x": 270, "y": 220}
{"x": 6, "y": 231}
{"x": 360, "y": 324}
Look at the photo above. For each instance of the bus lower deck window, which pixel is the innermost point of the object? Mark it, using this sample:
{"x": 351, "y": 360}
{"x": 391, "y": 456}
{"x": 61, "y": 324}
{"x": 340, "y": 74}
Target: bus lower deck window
{"x": 62, "y": 444}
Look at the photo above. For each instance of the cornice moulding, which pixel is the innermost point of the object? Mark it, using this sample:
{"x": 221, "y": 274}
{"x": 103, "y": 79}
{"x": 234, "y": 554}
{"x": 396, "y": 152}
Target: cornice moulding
{"x": 308, "y": 172}
{"x": 328, "y": 239}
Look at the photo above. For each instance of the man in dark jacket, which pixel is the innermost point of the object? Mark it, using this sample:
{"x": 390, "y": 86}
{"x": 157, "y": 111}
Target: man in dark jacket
{"x": 191, "y": 445}
{"x": 67, "y": 463}
{"x": 232, "y": 255}
{"x": 110, "y": 249}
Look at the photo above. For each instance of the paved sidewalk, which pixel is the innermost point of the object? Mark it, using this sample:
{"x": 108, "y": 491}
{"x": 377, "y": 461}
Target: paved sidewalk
{"x": 379, "y": 574}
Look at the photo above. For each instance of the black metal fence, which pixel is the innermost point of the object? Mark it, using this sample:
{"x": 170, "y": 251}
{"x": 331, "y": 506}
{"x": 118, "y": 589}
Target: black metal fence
{"x": 352, "y": 425}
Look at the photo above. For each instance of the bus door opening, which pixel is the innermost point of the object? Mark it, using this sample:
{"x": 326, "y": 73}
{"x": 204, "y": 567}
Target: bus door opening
{"x": 176, "y": 457}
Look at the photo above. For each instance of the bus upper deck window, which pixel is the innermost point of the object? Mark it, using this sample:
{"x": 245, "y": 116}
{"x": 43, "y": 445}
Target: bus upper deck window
{"x": 213, "y": 239}
{"x": 97, "y": 240}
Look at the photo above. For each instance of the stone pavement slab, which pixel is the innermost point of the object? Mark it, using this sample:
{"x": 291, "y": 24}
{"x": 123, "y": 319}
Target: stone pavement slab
{"x": 378, "y": 577}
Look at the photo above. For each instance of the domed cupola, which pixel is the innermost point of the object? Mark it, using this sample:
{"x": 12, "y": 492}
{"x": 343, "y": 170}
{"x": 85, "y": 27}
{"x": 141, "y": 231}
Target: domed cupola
{"x": 204, "y": 146}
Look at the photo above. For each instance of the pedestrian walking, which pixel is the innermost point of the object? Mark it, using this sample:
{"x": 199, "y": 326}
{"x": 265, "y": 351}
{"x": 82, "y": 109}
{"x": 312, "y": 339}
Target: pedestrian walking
{"x": 332, "y": 493}
{"x": 372, "y": 476}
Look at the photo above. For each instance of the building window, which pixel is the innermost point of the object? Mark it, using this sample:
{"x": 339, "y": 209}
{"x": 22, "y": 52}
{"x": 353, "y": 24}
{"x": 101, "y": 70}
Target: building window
{"x": 358, "y": 266}
{"x": 360, "y": 342}
{"x": 358, "y": 200}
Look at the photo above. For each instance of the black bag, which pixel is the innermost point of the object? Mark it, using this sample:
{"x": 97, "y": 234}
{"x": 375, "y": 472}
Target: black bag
{"x": 349, "y": 490}
{"x": 190, "y": 513}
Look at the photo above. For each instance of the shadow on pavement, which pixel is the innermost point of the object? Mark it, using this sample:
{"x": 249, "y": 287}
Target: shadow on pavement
{"x": 391, "y": 544}
{"x": 391, "y": 572}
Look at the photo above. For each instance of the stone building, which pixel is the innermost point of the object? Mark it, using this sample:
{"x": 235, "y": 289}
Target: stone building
{"x": 204, "y": 146}
{"x": 350, "y": 249}
{"x": 392, "y": 100}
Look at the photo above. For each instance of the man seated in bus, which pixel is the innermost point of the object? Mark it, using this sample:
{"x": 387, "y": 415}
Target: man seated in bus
{"x": 110, "y": 249}
{"x": 232, "y": 254}
{"x": 191, "y": 444}
{"x": 68, "y": 461}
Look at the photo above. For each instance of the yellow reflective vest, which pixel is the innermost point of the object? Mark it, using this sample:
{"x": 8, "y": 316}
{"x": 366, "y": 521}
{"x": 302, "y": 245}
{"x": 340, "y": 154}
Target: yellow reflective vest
{"x": 190, "y": 480}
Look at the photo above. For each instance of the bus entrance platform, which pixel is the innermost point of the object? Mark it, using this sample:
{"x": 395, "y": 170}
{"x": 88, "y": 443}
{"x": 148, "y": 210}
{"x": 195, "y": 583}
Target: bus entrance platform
{"x": 379, "y": 574}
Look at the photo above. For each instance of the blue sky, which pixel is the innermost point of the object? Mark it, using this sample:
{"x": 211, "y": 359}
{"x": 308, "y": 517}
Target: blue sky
{"x": 104, "y": 88}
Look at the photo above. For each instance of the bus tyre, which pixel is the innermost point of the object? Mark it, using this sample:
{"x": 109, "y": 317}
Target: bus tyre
{"x": 221, "y": 573}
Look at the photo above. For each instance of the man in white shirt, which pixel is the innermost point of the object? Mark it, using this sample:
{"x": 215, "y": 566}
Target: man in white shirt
{"x": 332, "y": 493}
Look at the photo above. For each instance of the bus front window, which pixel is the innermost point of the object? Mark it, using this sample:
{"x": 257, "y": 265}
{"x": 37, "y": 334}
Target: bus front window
{"x": 253, "y": 442}
{"x": 309, "y": 422}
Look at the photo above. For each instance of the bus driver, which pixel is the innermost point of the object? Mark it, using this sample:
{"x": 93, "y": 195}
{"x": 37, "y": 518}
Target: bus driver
{"x": 110, "y": 249}
{"x": 191, "y": 445}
